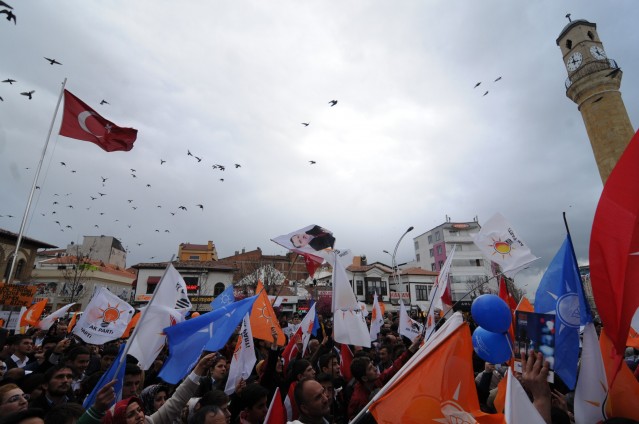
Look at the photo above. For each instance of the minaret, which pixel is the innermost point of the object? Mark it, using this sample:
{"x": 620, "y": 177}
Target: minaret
{"x": 593, "y": 83}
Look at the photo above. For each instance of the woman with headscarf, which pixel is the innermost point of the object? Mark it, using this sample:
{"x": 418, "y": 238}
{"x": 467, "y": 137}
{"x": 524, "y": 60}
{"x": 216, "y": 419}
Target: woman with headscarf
{"x": 153, "y": 397}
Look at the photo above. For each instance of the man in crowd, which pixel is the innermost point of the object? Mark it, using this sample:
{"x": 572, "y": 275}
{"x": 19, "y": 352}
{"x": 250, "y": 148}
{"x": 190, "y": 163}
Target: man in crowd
{"x": 312, "y": 401}
{"x": 57, "y": 390}
{"x": 22, "y": 348}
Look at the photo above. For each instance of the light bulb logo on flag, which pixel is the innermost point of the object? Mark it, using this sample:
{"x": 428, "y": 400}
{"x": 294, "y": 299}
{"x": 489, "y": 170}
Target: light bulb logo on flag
{"x": 502, "y": 248}
{"x": 109, "y": 315}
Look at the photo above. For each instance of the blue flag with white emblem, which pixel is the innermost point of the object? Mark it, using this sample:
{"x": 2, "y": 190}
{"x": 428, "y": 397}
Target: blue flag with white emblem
{"x": 225, "y": 298}
{"x": 560, "y": 293}
{"x": 188, "y": 339}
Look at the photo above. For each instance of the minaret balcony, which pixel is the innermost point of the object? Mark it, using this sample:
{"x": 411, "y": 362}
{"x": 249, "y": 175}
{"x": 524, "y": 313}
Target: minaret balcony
{"x": 589, "y": 69}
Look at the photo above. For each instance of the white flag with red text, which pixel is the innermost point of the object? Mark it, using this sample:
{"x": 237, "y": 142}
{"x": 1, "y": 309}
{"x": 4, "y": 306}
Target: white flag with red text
{"x": 243, "y": 358}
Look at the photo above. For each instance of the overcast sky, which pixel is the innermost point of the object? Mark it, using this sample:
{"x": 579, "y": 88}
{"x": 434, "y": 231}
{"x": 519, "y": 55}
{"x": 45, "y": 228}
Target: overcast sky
{"x": 409, "y": 141}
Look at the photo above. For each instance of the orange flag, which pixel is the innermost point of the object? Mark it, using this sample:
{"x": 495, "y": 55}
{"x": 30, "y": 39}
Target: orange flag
{"x": 33, "y": 314}
{"x": 525, "y": 305}
{"x": 74, "y": 318}
{"x": 633, "y": 339}
{"x": 500, "y": 399}
{"x": 440, "y": 387}
{"x": 624, "y": 391}
{"x": 263, "y": 318}
{"x": 131, "y": 326}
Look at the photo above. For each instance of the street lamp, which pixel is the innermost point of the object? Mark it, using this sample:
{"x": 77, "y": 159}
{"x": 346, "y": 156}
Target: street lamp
{"x": 395, "y": 270}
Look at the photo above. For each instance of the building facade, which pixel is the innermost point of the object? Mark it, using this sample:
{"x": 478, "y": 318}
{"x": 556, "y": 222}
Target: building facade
{"x": 593, "y": 84}
{"x": 197, "y": 252}
{"x": 204, "y": 280}
{"x": 106, "y": 249}
{"x": 26, "y": 256}
{"x": 469, "y": 268}
{"x": 68, "y": 279}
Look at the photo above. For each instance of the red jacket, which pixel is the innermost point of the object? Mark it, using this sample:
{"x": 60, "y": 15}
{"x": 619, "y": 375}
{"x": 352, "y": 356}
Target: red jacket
{"x": 361, "y": 393}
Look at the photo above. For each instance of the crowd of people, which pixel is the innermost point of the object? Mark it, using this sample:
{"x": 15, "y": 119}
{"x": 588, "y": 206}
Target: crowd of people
{"x": 46, "y": 376}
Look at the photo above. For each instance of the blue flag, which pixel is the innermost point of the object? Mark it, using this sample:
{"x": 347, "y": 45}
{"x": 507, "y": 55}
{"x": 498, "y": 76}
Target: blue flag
{"x": 560, "y": 293}
{"x": 188, "y": 339}
{"x": 316, "y": 323}
{"x": 225, "y": 298}
{"x": 107, "y": 377}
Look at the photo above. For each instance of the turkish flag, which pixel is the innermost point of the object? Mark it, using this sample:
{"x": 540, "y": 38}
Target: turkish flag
{"x": 614, "y": 248}
{"x": 83, "y": 123}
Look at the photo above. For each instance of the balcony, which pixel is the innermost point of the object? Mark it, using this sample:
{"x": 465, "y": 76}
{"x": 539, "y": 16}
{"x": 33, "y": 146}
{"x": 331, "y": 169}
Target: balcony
{"x": 590, "y": 68}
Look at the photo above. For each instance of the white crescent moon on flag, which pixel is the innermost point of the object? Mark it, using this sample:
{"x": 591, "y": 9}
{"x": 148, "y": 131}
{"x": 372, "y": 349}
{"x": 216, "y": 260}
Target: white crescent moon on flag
{"x": 82, "y": 118}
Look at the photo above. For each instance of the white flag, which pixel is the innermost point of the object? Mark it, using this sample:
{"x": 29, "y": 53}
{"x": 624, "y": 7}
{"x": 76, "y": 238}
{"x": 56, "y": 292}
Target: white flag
{"x": 104, "y": 319}
{"x": 441, "y": 300}
{"x": 519, "y": 409}
{"x": 243, "y": 358}
{"x": 377, "y": 320}
{"x": 349, "y": 325}
{"x": 592, "y": 384}
{"x": 498, "y": 241}
{"x": 46, "y": 322}
{"x": 307, "y": 327}
{"x": 408, "y": 327}
{"x": 149, "y": 338}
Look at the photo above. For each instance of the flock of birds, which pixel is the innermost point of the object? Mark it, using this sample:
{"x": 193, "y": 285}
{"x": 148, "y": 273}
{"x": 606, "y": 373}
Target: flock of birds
{"x": 479, "y": 83}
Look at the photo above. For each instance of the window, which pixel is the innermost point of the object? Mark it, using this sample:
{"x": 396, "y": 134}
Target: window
{"x": 194, "y": 257}
{"x": 439, "y": 250}
{"x": 431, "y": 252}
{"x": 458, "y": 248}
{"x": 432, "y": 267}
{"x": 437, "y": 236}
{"x": 417, "y": 257}
{"x": 478, "y": 262}
{"x": 441, "y": 264}
{"x": 360, "y": 288}
{"x": 569, "y": 44}
{"x": 416, "y": 245}
{"x": 384, "y": 289}
{"x": 218, "y": 289}
{"x": 592, "y": 37}
{"x": 421, "y": 292}
{"x": 430, "y": 239}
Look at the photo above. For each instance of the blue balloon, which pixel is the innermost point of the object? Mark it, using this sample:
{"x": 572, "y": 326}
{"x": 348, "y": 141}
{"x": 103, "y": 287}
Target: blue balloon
{"x": 492, "y": 347}
{"x": 492, "y": 313}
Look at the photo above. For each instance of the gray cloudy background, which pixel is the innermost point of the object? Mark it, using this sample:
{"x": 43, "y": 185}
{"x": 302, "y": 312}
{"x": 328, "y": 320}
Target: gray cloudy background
{"x": 409, "y": 142}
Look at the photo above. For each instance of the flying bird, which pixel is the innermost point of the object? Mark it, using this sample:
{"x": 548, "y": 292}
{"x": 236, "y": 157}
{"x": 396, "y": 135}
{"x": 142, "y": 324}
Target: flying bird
{"x": 1, "y": 99}
{"x": 28, "y": 94}
{"x": 173, "y": 213}
{"x": 37, "y": 187}
{"x": 104, "y": 102}
{"x": 332, "y": 103}
{"x": 312, "y": 162}
{"x": 222, "y": 179}
{"x": 10, "y": 81}
{"x": 132, "y": 170}
{"x": 485, "y": 93}
{"x": 73, "y": 171}
{"x": 3, "y": 4}
{"x": 130, "y": 200}
{"x": 498, "y": 79}
{"x": 182, "y": 207}
{"x": 96, "y": 226}
{"x": 188, "y": 153}
{"x": 134, "y": 207}
{"x": 306, "y": 124}
{"x": 162, "y": 161}
{"x": 198, "y": 159}
{"x": 166, "y": 231}
{"x": 63, "y": 164}
{"x": 148, "y": 185}
{"x": 53, "y": 61}
{"x": 68, "y": 226}
{"x": 139, "y": 244}
{"x": 237, "y": 165}
{"x": 159, "y": 206}
{"x": 200, "y": 206}
{"x": 134, "y": 176}
{"x": 10, "y": 15}
{"x": 55, "y": 203}
{"x": 93, "y": 198}
{"x": 104, "y": 179}
{"x": 477, "y": 85}
{"x": 221, "y": 168}
{"x": 101, "y": 194}
{"x": 70, "y": 206}
{"x": 101, "y": 213}
{"x": 57, "y": 222}
{"x": 157, "y": 231}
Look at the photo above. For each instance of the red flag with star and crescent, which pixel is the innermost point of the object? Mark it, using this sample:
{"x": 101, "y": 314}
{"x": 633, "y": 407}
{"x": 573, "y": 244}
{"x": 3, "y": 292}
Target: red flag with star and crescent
{"x": 81, "y": 122}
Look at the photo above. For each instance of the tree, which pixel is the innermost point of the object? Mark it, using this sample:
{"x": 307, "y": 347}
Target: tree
{"x": 477, "y": 286}
{"x": 271, "y": 278}
{"x": 75, "y": 275}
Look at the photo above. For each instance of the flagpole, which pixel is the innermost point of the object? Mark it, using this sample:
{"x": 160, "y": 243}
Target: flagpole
{"x": 127, "y": 347}
{"x": 574, "y": 257}
{"x": 285, "y": 278}
{"x": 33, "y": 187}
